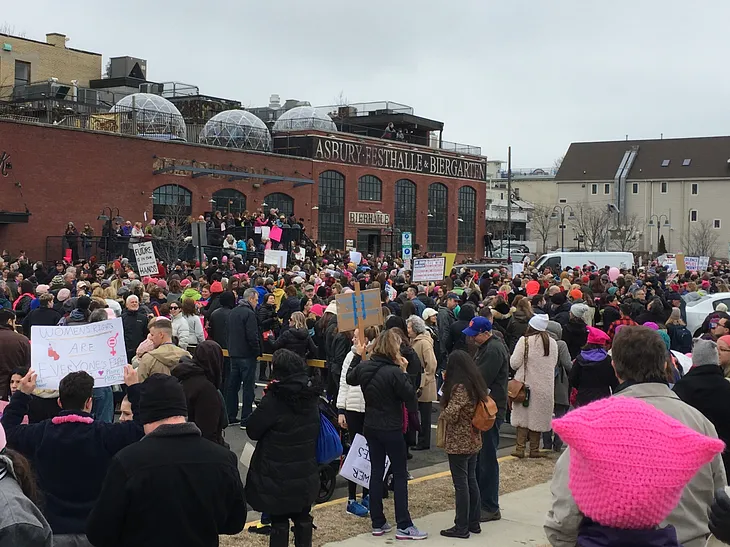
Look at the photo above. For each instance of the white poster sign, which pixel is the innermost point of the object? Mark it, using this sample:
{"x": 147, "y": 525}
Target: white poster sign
{"x": 517, "y": 268}
{"x": 144, "y": 254}
{"x": 355, "y": 257}
{"x": 96, "y": 348}
{"x": 691, "y": 263}
{"x": 429, "y": 269}
{"x": 275, "y": 257}
{"x": 703, "y": 263}
{"x": 357, "y": 463}
{"x": 265, "y": 232}
{"x": 301, "y": 254}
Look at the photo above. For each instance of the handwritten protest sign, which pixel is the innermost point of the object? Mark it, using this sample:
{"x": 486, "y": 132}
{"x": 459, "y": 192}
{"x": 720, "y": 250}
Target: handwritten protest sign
{"x": 265, "y": 232}
{"x": 96, "y": 348}
{"x": 703, "y": 262}
{"x": 357, "y": 463}
{"x": 275, "y": 257}
{"x": 144, "y": 254}
{"x": 429, "y": 269}
{"x": 358, "y": 309}
{"x": 691, "y": 263}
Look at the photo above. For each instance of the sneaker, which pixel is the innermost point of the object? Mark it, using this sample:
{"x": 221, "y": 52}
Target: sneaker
{"x": 262, "y": 529}
{"x": 475, "y": 528}
{"x": 384, "y": 529}
{"x": 486, "y": 516}
{"x": 410, "y": 533}
{"x": 409, "y": 477}
{"x": 365, "y": 502}
{"x": 356, "y": 509}
{"x": 243, "y": 427}
{"x": 454, "y": 533}
{"x": 234, "y": 421}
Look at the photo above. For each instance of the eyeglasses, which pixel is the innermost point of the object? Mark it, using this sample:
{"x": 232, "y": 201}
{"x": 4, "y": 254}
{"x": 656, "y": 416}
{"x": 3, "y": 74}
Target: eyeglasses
{"x": 174, "y": 308}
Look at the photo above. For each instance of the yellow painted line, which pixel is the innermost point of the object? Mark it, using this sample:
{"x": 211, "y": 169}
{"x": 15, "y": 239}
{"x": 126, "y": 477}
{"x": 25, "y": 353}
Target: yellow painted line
{"x": 425, "y": 478}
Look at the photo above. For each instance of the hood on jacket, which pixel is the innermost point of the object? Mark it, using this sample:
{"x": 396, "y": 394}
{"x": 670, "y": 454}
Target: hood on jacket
{"x": 520, "y": 316}
{"x": 77, "y": 316}
{"x": 466, "y": 313}
{"x": 187, "y": 368}
{"x": 297, "y": 391}
{"x": 169, "y": 354}
{"x": 593, "y": 356}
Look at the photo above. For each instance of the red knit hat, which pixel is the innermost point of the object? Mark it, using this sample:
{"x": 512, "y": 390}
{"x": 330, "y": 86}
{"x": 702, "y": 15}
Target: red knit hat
{"x": 216, "y": 287}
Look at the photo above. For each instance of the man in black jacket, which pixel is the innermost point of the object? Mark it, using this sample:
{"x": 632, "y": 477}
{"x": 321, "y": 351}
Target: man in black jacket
{"x": 244, "y": 347}
{"x": 43, "y": 315}
{"x": 492, "y": 359}
{"x": 218, "y": 327}
{"x": 174, "y": 488}
{"x": 135, "y": 323}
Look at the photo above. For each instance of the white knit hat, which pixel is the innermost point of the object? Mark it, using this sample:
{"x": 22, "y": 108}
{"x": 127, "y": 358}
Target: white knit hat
{"x": 539, "y": 322}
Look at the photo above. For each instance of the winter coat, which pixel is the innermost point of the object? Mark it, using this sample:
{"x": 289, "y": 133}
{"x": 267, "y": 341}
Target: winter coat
{"x": 561, "y": 314}
{"x": 160, "y": 360}
{"x": 297, "y": 340}
{"x": 674, "y": 337}
{"x": 593, "y": 376}
{"x": 444, "y": 320}
{"x": 502, "y": 314}
{"x": 205, "y": 403}
{"x": 562, "y": 371}
{"x": 414, "y": 370}
{"x": 41, "y": 317}
{"x": 704, "y": 388}
{"x": 538, "y": 372}
{"x": 244, "y": 340}
{"x": 289, "y": 306}
{"x": 563, "y": 520}
{"x": 15, "y": 353}
{"x": 595, "y": 535}
{"x": 337, "y": 346}
{"x": 172, "y": 488}
{"x": 492, "y": 360}
{"x": 457, "y": 338}
{"x": 516, "y": 328}
{"x": 575, "y": 334}
{"x": 349, "y": 397}
{"x": 461, "y": 437}
{"x": 135, "y": 329}
{"x": 195, "y": 329}
{"x": 423, "y": 346}
{"x": 385, "y": 388}
{"x": 610, "y": 314}
{"x": 56, "y": 449}
{"x": 181, "y": 331}
{"x": 267, "y": 318}
{"x": 284, "y": 476}
{"x": 21, "y": 522}
{"x": 218, "y": 326}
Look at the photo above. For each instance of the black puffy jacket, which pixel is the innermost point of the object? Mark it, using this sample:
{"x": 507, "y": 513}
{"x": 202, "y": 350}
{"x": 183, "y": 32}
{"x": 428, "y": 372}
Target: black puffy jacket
{"x": 289, "y": 306}
{"x": 575, "y": 335}
{"x": 135, "y": 329}
{"x": 337, "y": 346}
{"x": 298, "y": 341}
{"x": 267, "y": 318}
{"x": 284, "y": 475}
{"x": 385, "y": 388}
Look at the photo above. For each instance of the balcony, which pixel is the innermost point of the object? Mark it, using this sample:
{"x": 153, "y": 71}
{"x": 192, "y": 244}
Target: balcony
{"x": 495, "y": 213}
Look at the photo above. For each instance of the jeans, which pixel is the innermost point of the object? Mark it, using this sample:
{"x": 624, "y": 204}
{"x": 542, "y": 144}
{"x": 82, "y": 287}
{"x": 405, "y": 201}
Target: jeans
{"x": 464, "y": 475}
{"x": 488, "y": 468}
{"x": 393, "y": 444}
{"x": 550, "y": 440}
{"x": 424, "y": 435}
{"x": 243, "y": 370}
{"x": 103, "y": 405}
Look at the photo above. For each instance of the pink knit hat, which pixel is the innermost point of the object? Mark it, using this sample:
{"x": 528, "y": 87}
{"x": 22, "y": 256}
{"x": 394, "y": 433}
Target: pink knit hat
{"x": 629, "y": 462}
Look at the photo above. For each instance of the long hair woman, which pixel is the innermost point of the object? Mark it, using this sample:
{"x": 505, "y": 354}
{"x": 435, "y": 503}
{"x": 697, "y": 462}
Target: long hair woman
{"x": 463, "y": 388}
{"x": 533, "y": 361}
{"x": 386, "y": 387}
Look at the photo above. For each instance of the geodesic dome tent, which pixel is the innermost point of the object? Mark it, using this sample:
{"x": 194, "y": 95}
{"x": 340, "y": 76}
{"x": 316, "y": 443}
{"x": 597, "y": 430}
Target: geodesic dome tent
{"x": 155, "y": 117}
{"x": 303, "y": 118}
{"x": 236, "y": 129}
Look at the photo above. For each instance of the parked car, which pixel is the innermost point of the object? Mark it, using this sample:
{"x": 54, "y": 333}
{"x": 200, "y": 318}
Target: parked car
{"x": 698, "y": 310}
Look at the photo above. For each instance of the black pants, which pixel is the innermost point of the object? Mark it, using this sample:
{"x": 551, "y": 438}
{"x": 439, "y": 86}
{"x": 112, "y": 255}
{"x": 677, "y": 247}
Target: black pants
{"x": 302, "y": 529}
{"x": 464, "y": 475}
{"x": 355, "y": 422}
{"x": 424, "y": 435}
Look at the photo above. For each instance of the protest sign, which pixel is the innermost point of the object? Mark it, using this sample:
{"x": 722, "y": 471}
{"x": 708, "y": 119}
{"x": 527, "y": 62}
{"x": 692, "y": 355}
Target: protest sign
{"x": 144, "y": 254}
{"x": 358, "y": 309}
{"x": 450, "y": 259}
{"x": 429, "y": 269}
{"x": 517, "y": 268}
{"x": 97, "y": 348}
{"x": 301, "y": 254}
{"x": 703, "y": 262}
{"x": 275, "y": 233}
{"x": 356, "y": 467}
{"x": 355, "y": 257}
{"x": 265, "y": 232}
{"x": 691, "y": 263}
{"x": 275, "y": 257}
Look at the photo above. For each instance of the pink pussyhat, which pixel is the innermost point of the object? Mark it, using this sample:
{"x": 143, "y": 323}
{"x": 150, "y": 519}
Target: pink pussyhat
{"x": 629, "y": 462}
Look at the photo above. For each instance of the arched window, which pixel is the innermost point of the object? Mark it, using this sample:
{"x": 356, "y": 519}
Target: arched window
{"x": 172, "y": 202}
{"x": 283, "y": 202}
{"x": 438, "y": 203}
{"x": 467, "y": 219}
{"x": 369, "y": 188}
{"x": 332, "y": 209}
{"x": 229, "y": 200}
{"x": 405, "y": 207}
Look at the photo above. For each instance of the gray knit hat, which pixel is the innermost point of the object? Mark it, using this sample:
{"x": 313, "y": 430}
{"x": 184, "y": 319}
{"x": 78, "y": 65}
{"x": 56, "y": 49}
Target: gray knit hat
{"x": 704, "y": 352}
{"x": 578, "y": 310}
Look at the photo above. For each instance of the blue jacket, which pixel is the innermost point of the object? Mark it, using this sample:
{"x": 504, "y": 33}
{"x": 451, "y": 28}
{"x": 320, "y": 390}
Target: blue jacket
{"x": 262, "y": 294}
{"x": 70, "y": 454}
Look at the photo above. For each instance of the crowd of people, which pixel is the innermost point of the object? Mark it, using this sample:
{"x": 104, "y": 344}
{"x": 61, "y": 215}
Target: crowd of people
{"x": 545, "y": 348}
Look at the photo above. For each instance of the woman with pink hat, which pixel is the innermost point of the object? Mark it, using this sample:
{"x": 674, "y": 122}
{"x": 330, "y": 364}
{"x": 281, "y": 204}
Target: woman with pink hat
{"x": 592, "y": 375}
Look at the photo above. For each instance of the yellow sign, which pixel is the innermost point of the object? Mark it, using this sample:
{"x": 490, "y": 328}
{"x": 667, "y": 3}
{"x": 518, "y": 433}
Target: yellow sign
{"x": 450, "y": 258}
{"x": 104, "y": 122}
{"x": 679, "y": 260}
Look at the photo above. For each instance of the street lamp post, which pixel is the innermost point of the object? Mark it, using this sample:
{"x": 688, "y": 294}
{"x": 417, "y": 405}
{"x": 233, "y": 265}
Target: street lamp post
{"x": 658, "y": 219}
{"x": 558, "y": 210}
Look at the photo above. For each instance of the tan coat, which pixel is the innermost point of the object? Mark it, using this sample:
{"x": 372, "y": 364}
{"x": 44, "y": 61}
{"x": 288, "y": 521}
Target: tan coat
{"x": 461, "y": 437}
{"x": 423, "y": 346}
{"x": 160, "y": 360}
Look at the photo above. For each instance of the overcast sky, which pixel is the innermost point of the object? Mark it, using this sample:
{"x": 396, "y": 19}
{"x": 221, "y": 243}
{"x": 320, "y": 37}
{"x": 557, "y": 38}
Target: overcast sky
{"x": 535, "y": 75}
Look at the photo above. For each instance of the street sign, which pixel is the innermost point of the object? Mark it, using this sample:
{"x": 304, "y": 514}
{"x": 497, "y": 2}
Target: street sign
{"x": 407, "y": 253}
{"x": 406, "y": 240}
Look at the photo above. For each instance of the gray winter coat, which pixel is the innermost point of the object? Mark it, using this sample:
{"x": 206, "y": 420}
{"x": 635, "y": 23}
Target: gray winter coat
{"x": 444, "y": 320}
{"x": 565, "y": 364}
{"x": 21, "y": 522}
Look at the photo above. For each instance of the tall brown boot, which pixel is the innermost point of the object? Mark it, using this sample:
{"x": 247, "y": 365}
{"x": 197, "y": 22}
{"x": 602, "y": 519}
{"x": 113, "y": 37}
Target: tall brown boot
{"x": 535, "y": 445}
{"x": 521, "y": 441}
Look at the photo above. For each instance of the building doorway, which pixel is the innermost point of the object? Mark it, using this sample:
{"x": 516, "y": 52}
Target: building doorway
{"x": 368, "y": 241}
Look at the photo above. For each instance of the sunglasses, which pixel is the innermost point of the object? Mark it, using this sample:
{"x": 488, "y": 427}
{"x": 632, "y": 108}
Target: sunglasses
{"x": 174, "y": 308}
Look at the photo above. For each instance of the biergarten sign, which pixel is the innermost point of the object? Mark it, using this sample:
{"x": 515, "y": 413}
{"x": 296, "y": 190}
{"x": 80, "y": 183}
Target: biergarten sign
{"x": 370, "y": 219}
{"x": 387, "y": 157}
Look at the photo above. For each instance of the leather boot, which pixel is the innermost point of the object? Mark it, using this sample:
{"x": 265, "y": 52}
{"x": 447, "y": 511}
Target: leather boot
{"x": 519, "y": 451}
{"x": 535, "y": 445}
{"x": 279, "y": 536}
{"x": 303, "y": 532}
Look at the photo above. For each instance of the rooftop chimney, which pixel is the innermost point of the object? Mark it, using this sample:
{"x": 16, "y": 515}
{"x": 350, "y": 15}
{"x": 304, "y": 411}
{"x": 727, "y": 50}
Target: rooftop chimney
{"x": 55, "y": 39}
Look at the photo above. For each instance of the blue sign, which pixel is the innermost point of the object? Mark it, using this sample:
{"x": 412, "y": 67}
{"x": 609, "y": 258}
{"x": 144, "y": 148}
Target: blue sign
{"x": 407, "y": 253}
{"x": 406, "y": 239}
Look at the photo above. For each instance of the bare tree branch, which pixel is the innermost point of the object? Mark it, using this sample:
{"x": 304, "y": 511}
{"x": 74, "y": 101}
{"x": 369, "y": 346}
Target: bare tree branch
{"x": 171, "y": 243}
{"x": 558, "y": 162}
{"x": 626, "y": 236}
{"x": 542, "y": 224}
{"x": 702, "y": 240}
{"x": 592, "y": 223}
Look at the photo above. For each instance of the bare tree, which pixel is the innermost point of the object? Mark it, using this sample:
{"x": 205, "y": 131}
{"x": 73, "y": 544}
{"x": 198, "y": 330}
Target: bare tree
{"x": 341, "y": 99}
{"x": 171, "y": 239}
{"x": 558, "y": 162}
{"x": 702, "y": 240}
{"x": 8, "y": 29}
{"x": 542, "y": 224}
{"x": 626, "y": 236}
{"x": 592, "y": 223}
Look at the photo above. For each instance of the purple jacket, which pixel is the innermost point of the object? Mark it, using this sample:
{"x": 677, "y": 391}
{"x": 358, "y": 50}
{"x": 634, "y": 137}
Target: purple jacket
{"x": 595, "y": 535}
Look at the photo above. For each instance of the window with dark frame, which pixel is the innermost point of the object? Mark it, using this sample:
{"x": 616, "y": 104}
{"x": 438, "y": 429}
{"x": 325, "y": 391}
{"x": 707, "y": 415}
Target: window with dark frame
{"x": 171, "y": 201}
{"x": 716, "y": 224}
{"x": 331, "y": 209}
{"x": 22, "y": 73}
{"x": 468, "y": 214}
{"x": 693, "y": 215}
{"x": 663, "y": 187}
{"x": 635, "y": 188}
{"x": 606, "y": 188}
{"x": 369, "y": 188}
{"x": 695, "y": 189}
{"x": 438, "y": 204}
{"x": 405, "y": 207}
{"x": 665, "y": 163}
{"x": 686, "y": 162}
{"x": 283, "y": 202}
{"x": 229, "y": 200}
{"x": 594, "y": 189}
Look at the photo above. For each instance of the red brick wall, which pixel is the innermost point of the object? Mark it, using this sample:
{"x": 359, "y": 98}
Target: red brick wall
{"x": 70, "y": 175}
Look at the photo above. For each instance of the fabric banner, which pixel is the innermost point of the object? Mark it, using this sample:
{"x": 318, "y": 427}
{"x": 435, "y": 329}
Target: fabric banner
{"x": 357, "y": 463}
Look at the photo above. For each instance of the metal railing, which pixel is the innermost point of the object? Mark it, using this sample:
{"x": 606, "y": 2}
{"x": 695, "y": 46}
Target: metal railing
{"x": 530, "y": 172}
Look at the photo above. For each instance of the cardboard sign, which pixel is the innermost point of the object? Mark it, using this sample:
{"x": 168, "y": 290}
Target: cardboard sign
{"x": 429, "y": 269}
{"x": 97, "y": 348}
{"x": 144, "y": 254}
{"x": 275, "y": 257}
{"x": 357, "y": 463}
{"x": 275, "y": 233}
{"x": 448, "y": 266}
{"x": 679, "y": 259}
{"x": 358, "y": 309}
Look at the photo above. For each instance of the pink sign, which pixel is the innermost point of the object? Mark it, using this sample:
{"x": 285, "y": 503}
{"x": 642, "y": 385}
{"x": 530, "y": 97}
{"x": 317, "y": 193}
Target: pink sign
{"x": 275, "y": 233}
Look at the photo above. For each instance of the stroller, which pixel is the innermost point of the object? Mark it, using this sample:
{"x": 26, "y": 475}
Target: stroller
{"x": 328, "y": 472}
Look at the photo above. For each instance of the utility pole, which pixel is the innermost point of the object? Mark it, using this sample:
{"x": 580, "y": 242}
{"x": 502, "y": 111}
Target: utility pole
{"x": 509, "y": 205}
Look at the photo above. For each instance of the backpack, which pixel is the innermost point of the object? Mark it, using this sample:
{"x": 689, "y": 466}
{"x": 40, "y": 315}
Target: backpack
{"x": 329, "y": 446}
{"x": 485, "y": 414}
{"x": 681, "y": 339}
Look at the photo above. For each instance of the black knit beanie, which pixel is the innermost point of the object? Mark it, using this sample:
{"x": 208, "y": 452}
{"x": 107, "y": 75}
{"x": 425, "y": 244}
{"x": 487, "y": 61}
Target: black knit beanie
{"x": 160, "y": 397}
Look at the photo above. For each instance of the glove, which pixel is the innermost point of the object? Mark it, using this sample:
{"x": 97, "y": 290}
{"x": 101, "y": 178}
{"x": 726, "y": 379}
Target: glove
{"x": 720, "y": 516}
